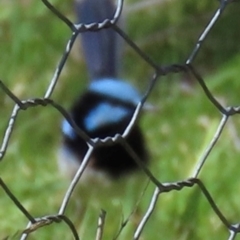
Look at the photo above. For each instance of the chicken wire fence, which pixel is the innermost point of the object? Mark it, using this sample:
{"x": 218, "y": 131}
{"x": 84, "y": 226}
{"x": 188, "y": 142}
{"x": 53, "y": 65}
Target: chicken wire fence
{"x": 159, "y": 71}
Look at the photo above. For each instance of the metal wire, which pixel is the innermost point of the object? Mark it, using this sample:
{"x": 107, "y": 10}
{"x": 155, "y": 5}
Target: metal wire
{"x": 159, "y": 71}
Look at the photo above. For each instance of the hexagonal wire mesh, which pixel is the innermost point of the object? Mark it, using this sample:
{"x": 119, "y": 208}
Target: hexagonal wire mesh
{"x": 158, "y": 72}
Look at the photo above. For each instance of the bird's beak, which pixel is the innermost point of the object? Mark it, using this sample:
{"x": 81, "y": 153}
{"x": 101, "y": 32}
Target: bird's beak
{"x": 148, "y": 107}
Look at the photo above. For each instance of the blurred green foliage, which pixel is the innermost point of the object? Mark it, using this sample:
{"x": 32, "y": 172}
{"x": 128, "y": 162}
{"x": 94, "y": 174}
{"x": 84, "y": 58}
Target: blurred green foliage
{"x": 32, "y": 41}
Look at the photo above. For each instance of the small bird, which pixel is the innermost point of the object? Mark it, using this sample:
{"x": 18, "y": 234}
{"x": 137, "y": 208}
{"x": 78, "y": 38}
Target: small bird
{"x": 106, "y": 107}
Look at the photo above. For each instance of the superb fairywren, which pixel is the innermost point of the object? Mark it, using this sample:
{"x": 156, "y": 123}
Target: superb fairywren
{"x": 107, "y": 106}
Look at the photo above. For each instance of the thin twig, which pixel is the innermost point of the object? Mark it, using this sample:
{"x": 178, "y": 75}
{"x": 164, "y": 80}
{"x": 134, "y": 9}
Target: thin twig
{"x": 101, "y": 222}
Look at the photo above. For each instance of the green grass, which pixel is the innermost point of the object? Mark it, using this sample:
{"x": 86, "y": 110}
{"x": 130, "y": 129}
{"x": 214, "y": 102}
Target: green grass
{"x": 32, "y": 42}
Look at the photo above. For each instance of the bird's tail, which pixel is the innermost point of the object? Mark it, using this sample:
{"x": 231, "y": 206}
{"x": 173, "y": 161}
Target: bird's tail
{"x": 100, "y": 48}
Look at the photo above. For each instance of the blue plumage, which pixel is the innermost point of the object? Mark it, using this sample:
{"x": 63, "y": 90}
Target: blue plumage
{"x": 116, "y": 88}
{"x": 107, "y": 106}
{"x": 101, "y": 49}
